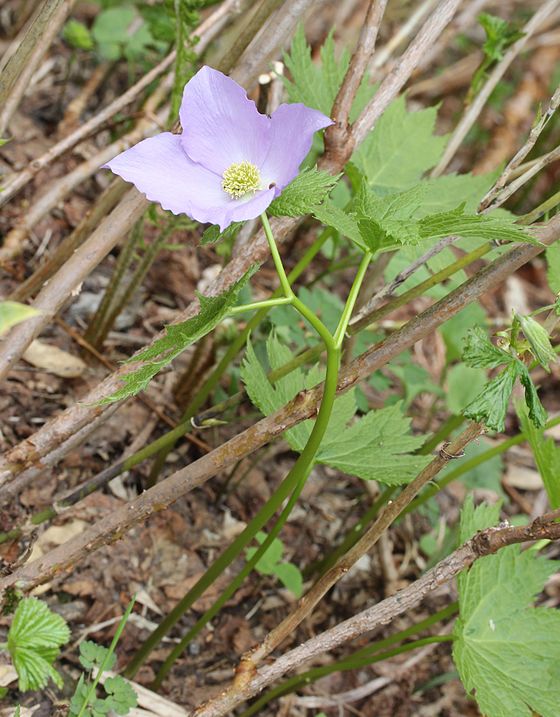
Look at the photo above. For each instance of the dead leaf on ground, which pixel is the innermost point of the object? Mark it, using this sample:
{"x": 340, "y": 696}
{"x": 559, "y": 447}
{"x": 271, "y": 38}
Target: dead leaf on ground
{"x": 51, "y": 358}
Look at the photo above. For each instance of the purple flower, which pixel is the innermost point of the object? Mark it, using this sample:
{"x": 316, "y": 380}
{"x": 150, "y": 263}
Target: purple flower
{"x": 230, "y": 162}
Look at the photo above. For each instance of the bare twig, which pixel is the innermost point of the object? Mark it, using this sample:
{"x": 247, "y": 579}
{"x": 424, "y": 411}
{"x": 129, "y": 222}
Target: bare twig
{"x": 69, "y": 277}
{"x": 147, "y": 126}
{"x": 12, "y": 184}
{"x": 25, "y": 60}
{"x": 247, "y": 34}
{"x": 495, "y": 191}
{"x": 114, "y": 525}
{"x": 396, "y": 79}
{"x": 404, "y": 31}
{"x": 484, "y": 543}
{"x": 335, "y": 135}
{"x": 271, "y": 37}
{"x": 475, "y": 108}
{"x": 106, "y": 202}
{"x": 533, "y": 168}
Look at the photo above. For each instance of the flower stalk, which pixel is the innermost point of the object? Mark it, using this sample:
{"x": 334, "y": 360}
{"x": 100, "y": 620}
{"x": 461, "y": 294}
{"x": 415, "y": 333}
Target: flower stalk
{"x": 291, "y": 486}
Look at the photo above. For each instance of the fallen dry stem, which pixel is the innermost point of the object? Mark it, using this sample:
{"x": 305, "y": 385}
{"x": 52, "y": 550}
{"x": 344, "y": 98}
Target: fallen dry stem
{"x": 484, "y": 543}
{"x": 335, "y": 135}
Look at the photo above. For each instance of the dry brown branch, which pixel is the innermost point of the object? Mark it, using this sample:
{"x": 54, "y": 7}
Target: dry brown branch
{"x": 385, "y": 519}
{"x": 114, "y": 525}
{"x": 22, "y": 64}
{"x": 499, "y": 193}
{"x": 404, "y": 32}
{"x": 69, "y": 277}
{"x": 272, "y": 36}
{"x": 247, "y": 33}
{"x": 396, "y": 79}
{"x": 483, "y": 544}
{"x": 335, "y": 136}
{"x": 57, "y": 431}
{"x": 107, "y": 201}
{"x": 475, "y": 108}
{"x": 77, "y": 106}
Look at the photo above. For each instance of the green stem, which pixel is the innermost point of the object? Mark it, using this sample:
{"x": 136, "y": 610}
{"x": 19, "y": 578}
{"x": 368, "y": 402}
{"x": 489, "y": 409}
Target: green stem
{"x": 258, "y": 305}
{"x": 276, "y": 258}
{"x": 235, "y": 347}
{"x": 110, "y": 651}
{"x": 340, "y": 332}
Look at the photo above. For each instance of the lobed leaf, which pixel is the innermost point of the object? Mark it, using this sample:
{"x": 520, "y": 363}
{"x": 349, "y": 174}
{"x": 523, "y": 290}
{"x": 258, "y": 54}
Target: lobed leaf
{"x": 506, "y": 651}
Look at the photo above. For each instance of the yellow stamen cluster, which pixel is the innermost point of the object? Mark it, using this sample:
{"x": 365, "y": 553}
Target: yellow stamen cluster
{"x": 240, "y": 179}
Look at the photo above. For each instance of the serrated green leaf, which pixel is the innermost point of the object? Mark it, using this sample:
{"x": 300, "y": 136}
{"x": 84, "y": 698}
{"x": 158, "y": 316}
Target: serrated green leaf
{"x": 444, "y": 193}
{"x": 480, "y": 352}
{"x": 400, "y": 148}
{"x": 500, "y": 34}
{"x": 176, "y": 339}
{"x": 342, "y": 222}
{"x": 553, "y": 262}
{"x": 537, "y": 414}
{"x": 546, "y": 454}
{"x": 12, "y": 313}
{"x": 34, "y": 639}
{"x": 490, "y": 406}
{"x": 35, "y": 625}
{"x": 377, "y": 446}
{"x": 34, "y": 667}
{"x": 212, "y": 235}
{"x": 317, "y": 85}
{"x": 456, "y": 329}
{"x": 506, "y": 651}
{"x": 307, "y": 191}
{"x": 539, "y": 340}
{"x": 122, "y": 697}
{"x": 488, "y": 227}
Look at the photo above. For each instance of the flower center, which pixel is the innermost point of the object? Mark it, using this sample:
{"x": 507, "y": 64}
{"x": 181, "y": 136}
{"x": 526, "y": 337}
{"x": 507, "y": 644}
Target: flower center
{"x": 240, "y": 179}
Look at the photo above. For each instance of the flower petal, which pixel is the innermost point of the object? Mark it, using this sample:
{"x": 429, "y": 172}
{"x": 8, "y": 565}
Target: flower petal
{"x": 161, "y": 170}
{"x": 221, "y": 126}
{"x": 293, "y": 127}
{"x": 250, "y": 208}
